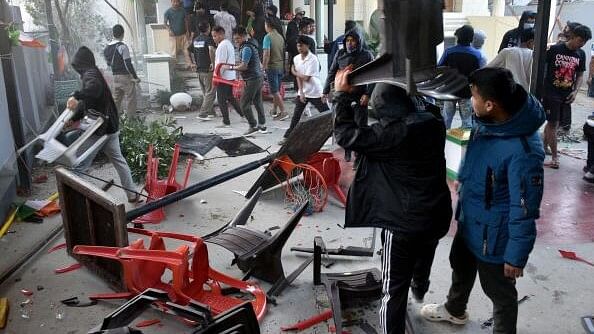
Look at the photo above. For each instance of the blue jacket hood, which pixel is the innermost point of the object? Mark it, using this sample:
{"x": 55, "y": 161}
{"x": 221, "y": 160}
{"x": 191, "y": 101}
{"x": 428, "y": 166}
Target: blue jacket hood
{"x": 526, "y": 121}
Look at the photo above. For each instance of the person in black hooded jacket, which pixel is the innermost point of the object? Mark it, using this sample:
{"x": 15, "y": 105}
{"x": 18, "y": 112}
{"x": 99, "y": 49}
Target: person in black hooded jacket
{"x": 512, "y": 38}
{"x": 355, "y": 55}
{"x": 400, "y": 186}
{"x": 96, "y": 96}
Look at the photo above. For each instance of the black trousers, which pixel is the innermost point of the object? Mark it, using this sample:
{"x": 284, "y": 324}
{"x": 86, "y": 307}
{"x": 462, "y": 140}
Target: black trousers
{"x": 224, "y": 96}
{"x": 404, "y": 258}
{"x": 589, "y": 133}
{"x": 300, "y": 107}
{"x": 565, "y": 118}
{"x": 500, "y": 289}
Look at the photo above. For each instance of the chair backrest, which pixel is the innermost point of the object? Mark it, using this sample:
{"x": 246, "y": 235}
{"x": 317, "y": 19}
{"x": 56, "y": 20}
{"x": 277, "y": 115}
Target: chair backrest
{"x": 239, "y": 320}
{"x": 281, "y": 237}
{"x": 52, "y": 132}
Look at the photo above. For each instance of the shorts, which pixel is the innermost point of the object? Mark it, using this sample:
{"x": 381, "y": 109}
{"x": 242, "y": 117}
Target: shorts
{"x": 274, "y": 78}
{"x": 554, "y": 109}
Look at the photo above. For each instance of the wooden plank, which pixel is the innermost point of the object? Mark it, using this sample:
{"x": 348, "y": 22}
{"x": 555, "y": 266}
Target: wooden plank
{"x": 91, "y": 216}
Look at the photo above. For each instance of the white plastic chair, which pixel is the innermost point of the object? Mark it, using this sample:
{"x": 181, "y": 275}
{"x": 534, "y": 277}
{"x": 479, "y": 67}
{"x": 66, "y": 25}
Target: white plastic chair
{"x": 54, "y": 151}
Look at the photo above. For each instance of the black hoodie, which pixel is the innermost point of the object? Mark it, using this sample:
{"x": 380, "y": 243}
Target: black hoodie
{"x": 95, "y": 93}
{"x": 513, "y": 37}
{"x": 343, "y": 58}
{"x": 401, "y": 181}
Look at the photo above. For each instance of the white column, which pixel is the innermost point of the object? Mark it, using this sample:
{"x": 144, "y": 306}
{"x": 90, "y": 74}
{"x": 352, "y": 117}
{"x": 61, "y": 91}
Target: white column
{"x": 127, "y": 8}
{"x": 475, "y": 7}
{"x": 162, "y": 6}
{"x": 498, "y": 8}
{"x": 553, "y": 15}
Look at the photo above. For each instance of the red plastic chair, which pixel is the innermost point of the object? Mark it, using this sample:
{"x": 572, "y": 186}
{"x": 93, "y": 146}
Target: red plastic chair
{"x": 171, "y": 185}
{"x": 196, "y": 282}
{"x": 156, "y": 188}
{"x": 329, "y": 168}
{"x": 138, "y": 275}
{"x": 153, "y": 189}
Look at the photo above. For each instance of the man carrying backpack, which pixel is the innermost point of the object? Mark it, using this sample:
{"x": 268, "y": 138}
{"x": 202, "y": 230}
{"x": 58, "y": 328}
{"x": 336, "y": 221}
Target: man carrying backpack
{"x": 117, "y": 56}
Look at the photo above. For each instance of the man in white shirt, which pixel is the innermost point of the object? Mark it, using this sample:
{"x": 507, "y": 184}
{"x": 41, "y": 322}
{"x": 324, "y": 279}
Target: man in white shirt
{"x": 518, "y": 59}
{"x": 225, "y": 54}
{"x": 225, "y": 20}
{"x": 306, "y": 69}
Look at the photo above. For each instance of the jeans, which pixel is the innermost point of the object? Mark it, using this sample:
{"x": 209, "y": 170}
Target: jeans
{"x": 500, "y": 289}
{"x": 252, "y": 94}
{"x": 208, "y": 93}
{"x": 224, "y": 95}
{"x": 300, "y": 107}
{"x": 125, "y": 89}
{"x": 404, "y": 258}
{"x": 111, "y": 149}
{"x": 449, "y": 110}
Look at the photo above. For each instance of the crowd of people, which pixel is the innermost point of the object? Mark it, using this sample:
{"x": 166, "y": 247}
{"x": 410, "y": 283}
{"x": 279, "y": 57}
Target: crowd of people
{"x": 400, "y": 183}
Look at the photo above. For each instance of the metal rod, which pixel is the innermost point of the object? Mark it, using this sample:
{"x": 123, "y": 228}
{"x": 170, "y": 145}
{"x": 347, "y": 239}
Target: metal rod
{"x": 196, "y": 188}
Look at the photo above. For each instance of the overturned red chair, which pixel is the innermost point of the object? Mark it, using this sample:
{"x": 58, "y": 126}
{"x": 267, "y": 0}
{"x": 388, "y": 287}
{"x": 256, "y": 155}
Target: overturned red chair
{"x": 192, "y": 279}
{"x": 156, "y": 188}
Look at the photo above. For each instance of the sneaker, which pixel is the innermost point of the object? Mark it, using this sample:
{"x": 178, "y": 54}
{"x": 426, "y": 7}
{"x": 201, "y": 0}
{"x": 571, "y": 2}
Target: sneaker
{"x": 554, "y": 164}
{"x": 280, "y": 116}
{"x": 589, "y": 177}
{"x": 282, "y": 141}
{"x": 204, "y": 118}
{"x": 262, "y": 129}
{"x": 273, "y": 112}
{"x": 211, "y": 116}
{"x": 438, "y": 312}
{"x": 223, "y": 126}
{"x": 250, "y": 131}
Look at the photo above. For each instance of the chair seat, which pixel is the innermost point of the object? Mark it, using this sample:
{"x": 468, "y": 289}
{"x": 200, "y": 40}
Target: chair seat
{"x": 240, "y": 241}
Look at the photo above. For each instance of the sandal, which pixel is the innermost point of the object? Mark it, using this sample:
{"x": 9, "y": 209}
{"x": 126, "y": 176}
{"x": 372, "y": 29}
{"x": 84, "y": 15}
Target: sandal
{"x": 554, "y": 164}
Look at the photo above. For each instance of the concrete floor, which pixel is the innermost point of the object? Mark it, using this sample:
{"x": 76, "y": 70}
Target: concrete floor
{"x": 560, "y": 290}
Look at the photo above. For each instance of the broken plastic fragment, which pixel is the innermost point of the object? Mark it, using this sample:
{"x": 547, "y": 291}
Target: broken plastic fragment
{"x": 147, "y": 323}
{"x": 26, "y": 292}
{"x": 60, "y": 314}
{"x": 68, "y": 268}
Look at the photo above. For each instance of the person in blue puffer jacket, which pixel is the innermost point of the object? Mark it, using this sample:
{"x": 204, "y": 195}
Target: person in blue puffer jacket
{"x": 500, "y": 190}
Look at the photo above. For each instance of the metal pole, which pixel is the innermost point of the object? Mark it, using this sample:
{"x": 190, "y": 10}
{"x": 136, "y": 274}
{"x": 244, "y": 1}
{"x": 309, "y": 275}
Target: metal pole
{"x": 330, "y": 32}
{"x": 196, "y": 188}
{"x": 540, "y": 48}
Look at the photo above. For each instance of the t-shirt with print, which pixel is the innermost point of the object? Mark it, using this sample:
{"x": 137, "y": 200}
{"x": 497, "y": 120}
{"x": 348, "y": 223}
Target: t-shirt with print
{"x": 176, "y": 19}
{"x": 309, "y": 66}
{"x": 200, "y": 48}
{"x": 274, "y": 42}
{"x": 225, "y": 54}
{"x": 563, "y": 65}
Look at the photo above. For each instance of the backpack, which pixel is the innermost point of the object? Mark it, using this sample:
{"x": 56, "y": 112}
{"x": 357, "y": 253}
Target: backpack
{"x": 110, "y": 52}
